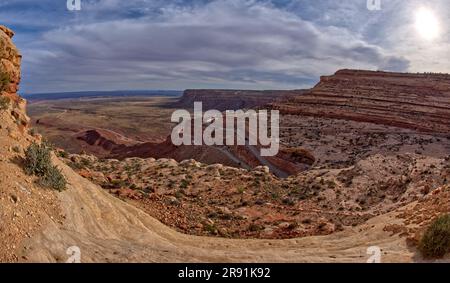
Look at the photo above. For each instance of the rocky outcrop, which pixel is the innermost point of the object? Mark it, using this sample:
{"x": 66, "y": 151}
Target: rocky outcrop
{"x": 414, "y": 101}
{"x": 231, "y": 99}
{"x": 10, "y": 60}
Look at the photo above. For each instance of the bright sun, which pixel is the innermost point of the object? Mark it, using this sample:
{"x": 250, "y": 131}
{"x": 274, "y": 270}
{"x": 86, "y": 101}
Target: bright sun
{"x": 427, "y": 24}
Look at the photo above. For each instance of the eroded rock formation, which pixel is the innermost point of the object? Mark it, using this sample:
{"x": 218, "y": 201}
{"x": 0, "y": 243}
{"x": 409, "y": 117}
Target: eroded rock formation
{"x": 414, "y": 101}
{"x": 10, "y": 60}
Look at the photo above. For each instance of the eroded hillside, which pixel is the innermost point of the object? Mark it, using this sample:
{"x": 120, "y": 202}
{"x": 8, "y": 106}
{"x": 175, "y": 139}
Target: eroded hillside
{"x": 415, "y": 101}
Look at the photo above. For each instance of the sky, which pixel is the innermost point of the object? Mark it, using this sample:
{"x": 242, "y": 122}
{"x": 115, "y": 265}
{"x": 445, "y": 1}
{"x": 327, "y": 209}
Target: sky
{"x": 232, "y": 44}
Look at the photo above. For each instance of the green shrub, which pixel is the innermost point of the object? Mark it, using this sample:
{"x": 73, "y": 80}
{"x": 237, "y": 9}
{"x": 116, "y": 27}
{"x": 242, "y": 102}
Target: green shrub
{"x": 38, "y": 163}
{"x": 37, "y": 159}
{"x": 4, "y": 103}
{"x": 435, "y": 243}
{"x": 53, "y": 179}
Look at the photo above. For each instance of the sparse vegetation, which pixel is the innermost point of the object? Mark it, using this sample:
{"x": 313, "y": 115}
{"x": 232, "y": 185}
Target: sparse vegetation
{"x": 4, "y": 81}
{"x": 435, "y": 243}
{"x": 253, "y": 227}
{"x": 37, "y": 159}
{"x": 53, "y": 179}
{"x": 4, "y": 103}
{"x": 38, "y": 163}
{"x": 32, "y": 132}
{"x": 211, "y": 228}
{"x": 184, "y": 184}
{"x": 63, "y": 154}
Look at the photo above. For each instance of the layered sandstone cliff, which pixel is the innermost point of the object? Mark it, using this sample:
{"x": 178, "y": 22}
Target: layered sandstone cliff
{"x": 10, "y": 60}
{"x": 414, "y": 101}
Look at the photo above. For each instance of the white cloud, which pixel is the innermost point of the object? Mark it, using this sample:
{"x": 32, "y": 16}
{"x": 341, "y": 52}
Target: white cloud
{"x": 230, "y": 44}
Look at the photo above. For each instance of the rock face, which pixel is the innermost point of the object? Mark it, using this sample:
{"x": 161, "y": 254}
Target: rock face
{"x": 232, "y": 99}
{"x": 414, "y": 101}
{"x": 10, "y": 60}
{"x": 24, "y": 207}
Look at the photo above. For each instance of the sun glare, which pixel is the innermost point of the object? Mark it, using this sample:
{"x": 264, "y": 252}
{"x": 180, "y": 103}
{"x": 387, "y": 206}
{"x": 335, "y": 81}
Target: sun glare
{"x": 427, "y": 24}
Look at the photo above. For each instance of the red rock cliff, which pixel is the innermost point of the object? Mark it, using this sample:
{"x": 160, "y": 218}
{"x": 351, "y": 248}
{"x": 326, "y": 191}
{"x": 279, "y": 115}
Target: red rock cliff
{"x": 10, "y": 60}
{"x": 416, "y": 101}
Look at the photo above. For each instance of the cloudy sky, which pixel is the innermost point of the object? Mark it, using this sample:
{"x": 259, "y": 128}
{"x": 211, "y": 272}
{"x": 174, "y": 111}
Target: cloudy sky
{"x": 248, "y": 44}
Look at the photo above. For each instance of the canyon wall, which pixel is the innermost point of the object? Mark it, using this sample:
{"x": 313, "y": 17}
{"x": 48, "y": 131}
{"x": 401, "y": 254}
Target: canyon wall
{"x": 416, "y": 101}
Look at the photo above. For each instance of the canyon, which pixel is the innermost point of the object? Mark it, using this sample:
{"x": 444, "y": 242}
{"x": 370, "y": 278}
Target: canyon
{"x": 364, "y": 161}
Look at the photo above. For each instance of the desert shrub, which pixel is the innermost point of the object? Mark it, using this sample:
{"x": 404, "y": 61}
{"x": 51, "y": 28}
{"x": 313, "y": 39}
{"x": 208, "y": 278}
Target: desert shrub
{"x": 4, "y": 81}
{"x": 4, "y": 103}
{"x": 53, "y": 179}
{"x": 179, "y": 194}
{"x": 117, "y": 184}
{"x": 63, "y": 154}
{"x": 184, "y": 184}
{"x": 288, "y": 201}
{"x": 32, "y": 132}
{"x": 255, "y": 227}
{"x": 435, "y": 243}
{"x": 211, "y": 228}
{"x": 37, "y": 159}
{"x": 85, "y": 162}
{"x": 38, "y": 163}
